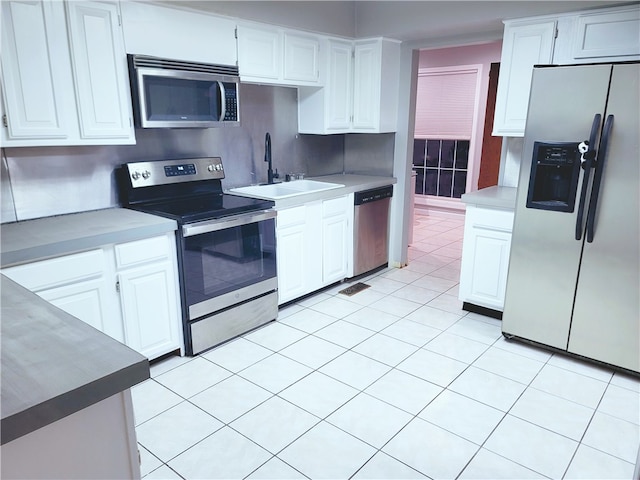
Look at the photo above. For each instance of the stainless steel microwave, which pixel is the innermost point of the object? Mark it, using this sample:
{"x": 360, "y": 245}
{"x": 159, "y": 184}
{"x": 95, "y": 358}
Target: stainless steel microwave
{"x": 176, "y": 94}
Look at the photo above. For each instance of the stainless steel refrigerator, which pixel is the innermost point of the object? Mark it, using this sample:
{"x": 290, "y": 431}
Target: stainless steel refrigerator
{"x": 573, "y": 280}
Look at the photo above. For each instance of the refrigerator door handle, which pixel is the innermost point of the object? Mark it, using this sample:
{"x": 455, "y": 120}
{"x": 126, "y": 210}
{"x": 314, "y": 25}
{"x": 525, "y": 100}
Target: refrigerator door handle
{"x": 587, "y": 159}
{"x": 597, "y": 177}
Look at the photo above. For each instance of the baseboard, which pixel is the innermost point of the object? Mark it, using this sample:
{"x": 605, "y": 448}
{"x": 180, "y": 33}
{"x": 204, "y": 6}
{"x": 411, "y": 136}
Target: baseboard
{"x": 487, "y": 312}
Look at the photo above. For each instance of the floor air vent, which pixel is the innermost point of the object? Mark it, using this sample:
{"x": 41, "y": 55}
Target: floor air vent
{"x": 353, "y": 289}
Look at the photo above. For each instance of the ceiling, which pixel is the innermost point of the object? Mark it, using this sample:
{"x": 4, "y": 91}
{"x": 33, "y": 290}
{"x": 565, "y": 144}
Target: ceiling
{"x": 431, "y": 20}
{"x": 437, "y": 22}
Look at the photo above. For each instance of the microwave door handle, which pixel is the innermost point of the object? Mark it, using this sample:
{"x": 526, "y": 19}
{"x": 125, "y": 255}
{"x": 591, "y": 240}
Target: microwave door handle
{"x": 223, "y": 101}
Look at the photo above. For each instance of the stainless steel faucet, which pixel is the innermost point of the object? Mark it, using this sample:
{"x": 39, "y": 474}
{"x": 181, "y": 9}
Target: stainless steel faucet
{"x": 267, "y": 158}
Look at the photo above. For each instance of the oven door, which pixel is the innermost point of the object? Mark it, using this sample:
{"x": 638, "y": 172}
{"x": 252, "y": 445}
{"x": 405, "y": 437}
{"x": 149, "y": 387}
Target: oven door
{"x": 228, "y": 261}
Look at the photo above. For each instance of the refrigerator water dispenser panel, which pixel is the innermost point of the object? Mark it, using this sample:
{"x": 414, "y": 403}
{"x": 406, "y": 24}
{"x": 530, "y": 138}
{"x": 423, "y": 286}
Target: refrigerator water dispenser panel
{"x": 553, "y": 183}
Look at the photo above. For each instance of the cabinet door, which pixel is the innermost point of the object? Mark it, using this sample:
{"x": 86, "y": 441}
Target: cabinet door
{"x": 36, "y": 82}
{"x": 151, "y": 29}
{"x": 259, "y": 53}
{"x": 340, "y": 85}
{"x": 149, "y": 309}
{"x": 334, "y": 249}
{"x": 291, "y": 245}
{"x": 149, "y": 294}
{"x": 485, "y": 257}
{"x": 366, "y": 85}
{"x": 79, "y": 283}
{"x": 92, "y": 302}
{"x": 607, "y": 36}
{"x": 99, "y": 66}
{"x": 301, "y": 58}
{"x": 335, "y": 236}
{"x": 524, "y": 45}
{"x": 291, "y": 272}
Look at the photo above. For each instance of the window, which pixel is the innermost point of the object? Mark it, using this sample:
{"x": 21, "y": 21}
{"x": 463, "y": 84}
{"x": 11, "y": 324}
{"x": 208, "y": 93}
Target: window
{"x": 441, "y": 166}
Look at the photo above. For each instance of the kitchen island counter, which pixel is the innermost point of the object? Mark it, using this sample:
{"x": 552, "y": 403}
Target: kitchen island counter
{"x": 30, "y": 240}
{"x": 54, "y": 365}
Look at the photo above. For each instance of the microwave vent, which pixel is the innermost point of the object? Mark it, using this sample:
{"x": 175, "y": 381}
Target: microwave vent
{"x": 140, "y": 61}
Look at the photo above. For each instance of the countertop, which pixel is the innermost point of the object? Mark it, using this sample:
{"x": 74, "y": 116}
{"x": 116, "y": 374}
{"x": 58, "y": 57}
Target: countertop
{"x": 497, "y": 197}
{"x": 40, "y": 238}
{"x": 352, "y": 183}
{"x": 53, "y": 364}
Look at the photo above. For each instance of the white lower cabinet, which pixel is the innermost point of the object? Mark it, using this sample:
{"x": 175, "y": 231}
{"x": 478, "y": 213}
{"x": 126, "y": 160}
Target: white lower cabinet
{"x": 147, "y": 282}
{"x": 313, "y": 246}
{"x": 336, "y": 237}
{"x": 128, "y": 291}
{"x": 89, "y": 301}
{"x": 292, "y": 236}
{"x": 485, "y": 256}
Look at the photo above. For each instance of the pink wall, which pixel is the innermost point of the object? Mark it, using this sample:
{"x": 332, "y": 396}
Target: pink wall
{"x": 484, "y": 54}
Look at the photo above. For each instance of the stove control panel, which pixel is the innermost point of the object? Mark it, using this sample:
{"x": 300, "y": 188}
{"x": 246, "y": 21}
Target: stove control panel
{"x": 162, "y": 172}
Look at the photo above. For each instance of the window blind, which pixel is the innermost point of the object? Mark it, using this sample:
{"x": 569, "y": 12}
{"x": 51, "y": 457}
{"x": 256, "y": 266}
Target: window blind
{"x": 445, "y": 104}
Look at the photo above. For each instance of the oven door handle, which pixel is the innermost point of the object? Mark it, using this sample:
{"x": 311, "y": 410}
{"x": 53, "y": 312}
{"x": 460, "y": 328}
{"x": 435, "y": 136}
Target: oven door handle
{"x": 208, "y": 226}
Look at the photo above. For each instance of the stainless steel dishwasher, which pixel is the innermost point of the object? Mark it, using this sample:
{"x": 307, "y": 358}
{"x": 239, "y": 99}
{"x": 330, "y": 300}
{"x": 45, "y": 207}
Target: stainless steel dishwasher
{"x": 371, "y": 229}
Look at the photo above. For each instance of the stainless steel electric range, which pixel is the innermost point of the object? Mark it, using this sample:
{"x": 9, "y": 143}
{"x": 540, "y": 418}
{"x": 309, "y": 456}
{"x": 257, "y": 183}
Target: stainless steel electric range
{"x": 226, "y": 246}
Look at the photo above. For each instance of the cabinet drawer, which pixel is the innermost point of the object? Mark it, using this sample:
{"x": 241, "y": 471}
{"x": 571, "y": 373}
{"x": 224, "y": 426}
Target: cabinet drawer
{"x": 58, "y": 271}
{"x": 489, "y": 218}
{"x": 335, "y": 206}
{"x": 291, "y": 216}
{"x": 142, "y": 251}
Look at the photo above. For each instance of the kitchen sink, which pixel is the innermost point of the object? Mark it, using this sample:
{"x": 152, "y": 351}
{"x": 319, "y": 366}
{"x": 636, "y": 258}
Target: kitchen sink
{"x": 283, "y": 190}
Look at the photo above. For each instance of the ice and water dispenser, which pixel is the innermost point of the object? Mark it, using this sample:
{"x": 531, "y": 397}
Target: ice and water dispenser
{"x": 555, "y": 168}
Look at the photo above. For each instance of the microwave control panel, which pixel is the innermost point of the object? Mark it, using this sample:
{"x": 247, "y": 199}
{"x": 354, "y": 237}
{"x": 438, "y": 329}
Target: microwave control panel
{"x": 231, "y": 102}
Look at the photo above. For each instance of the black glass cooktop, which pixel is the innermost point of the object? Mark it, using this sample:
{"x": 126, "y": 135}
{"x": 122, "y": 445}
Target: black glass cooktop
{"x": 205, "y": 207}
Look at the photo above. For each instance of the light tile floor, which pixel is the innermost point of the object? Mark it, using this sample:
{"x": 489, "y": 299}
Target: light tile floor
{"x": 396, "y": 381}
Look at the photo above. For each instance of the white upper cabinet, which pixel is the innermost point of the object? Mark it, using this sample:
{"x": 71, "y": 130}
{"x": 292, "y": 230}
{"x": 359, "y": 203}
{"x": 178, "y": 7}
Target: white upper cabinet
{"x": 339, "y": 87}
{"x": 603, "y": 35}
{"x": 35, "y": 71}
{"x": 64, "y": 78}
{"x": 361, "y": 89}
{"x": 259, "y": 53}
{"x": 599, "y": 36}
{"x": 277, "y": 56}
{"x": 178, "y": 34}
{"x": 301, "y": 58}
{"x": 100, "y": 70}
{"x": 525, "y": 44}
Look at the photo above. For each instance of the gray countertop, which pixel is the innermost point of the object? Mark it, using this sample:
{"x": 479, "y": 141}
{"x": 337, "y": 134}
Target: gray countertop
{"x": 53, "y": 364}
{"x": 352, "y": 183}
{"x": 30, "y": 240}
{"x": 496, "y": 197}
